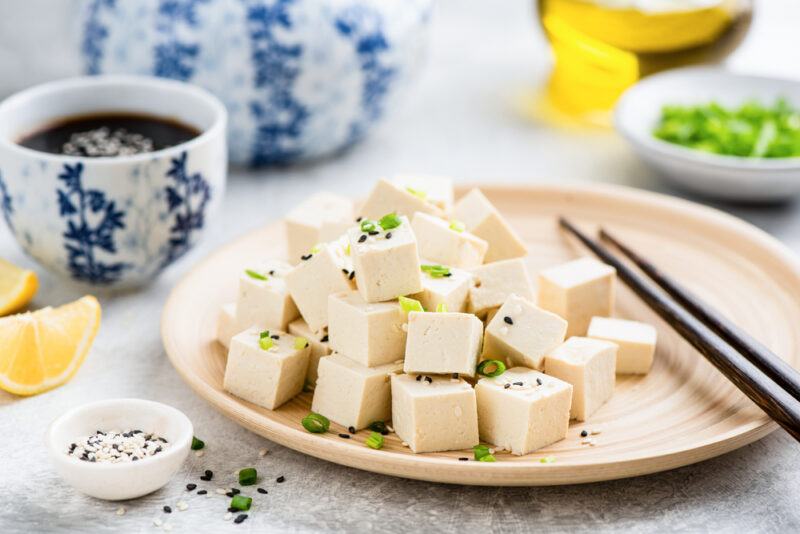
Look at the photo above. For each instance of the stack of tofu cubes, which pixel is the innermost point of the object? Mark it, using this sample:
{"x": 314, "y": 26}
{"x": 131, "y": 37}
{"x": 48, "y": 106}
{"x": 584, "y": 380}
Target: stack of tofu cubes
{"x": 385, "y": 311}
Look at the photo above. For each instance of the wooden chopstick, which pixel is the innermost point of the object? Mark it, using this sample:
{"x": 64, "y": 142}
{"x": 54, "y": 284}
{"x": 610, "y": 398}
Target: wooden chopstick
{"x": 766, "y": 394}
{"x": 770, "y": 363}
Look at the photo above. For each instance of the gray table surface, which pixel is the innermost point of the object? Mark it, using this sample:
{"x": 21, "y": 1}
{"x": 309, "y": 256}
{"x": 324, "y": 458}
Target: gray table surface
{"x": 463, "y": 119}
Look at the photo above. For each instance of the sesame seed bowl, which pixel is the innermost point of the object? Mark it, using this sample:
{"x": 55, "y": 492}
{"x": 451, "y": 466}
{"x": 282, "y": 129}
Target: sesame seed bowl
{"x": 157, "y": 435}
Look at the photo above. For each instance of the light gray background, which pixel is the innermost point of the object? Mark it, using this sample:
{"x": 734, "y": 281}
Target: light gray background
{"x": 462, "y": 119}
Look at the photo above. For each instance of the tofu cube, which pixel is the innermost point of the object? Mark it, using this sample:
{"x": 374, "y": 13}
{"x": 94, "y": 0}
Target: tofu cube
{"x": 636, "y": 342}
{"x": 577, "y": 291}
{"x": 326, "y": 271}
{"x": 590, "y": 366}
{"x": 268, "y": 377}
{"x": 440, "y": 243}
{"x": 226, "y": 324}
{"x": 436, "y": 190}
{"x": 387, "y": 197}
{"x": 318, "y": 344}
{"x": 351, "y": 394}
{"x": 370, "y": 333}
{"x": 482, "y": 219}
{"x": 523, "y": 410}
{"x": 386, "y": 264}
{"x": 443, "y": 343}
{"x": 322, "y": 218}
{"x": 434, "y": 413}
{"x": 451, "y": 290}
{"x": 264, "y": 299}
{"x": 494, "y": 282}
{"x": 522, "y": 333}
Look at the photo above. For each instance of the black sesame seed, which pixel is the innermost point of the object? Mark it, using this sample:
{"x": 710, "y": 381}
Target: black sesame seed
{"x": 202, "y": 492}
{"x": 345, "y": 271}
{"x": 352, "y": 275}
{"x": 262, "y": 490}
{"x": 508, "y": 320}
{"x": 324, "y": 339}
{"x": 518, "y": 384}
{"x": 73, "y": 447}
{"x": 240, "y": 518}
{"x": 167, "y": 510}
{"x": 280, "y": 479}
{"x": 447, "y": 275}
{"x": 351, "y": 429}
{"x": 584, "y": 433}
{"x": 230, "y": 494}
{"x": 344, "y": 436}
{"x": 362, "y": 238}
{"x": 388, "y": 235}
{"x": 463, "y": 459}
{"x": 191, "y": 487}
{"x": 305, "y": 257}
{"x": 135, "y": 458}
{"x": 384, "y": 432}
{"x": 429, "y": 380}
{"x": 455, "y": 375}
{"x": 272, "y": 272}
{"x": 539, "y": 381}
{"x": 373, "y": 232}
{"x": 236, "y": 491}
{"x": 275, "y": 336}
{"x": 205, "y": 478}
{"x": 209, "y": 473}
{"x": 506, "y": 386}
{"x": 162, "y": 440}
{"x": 419, "y": 377}
{"x": 359, "y": 219}
{"x": 233, "y": 510}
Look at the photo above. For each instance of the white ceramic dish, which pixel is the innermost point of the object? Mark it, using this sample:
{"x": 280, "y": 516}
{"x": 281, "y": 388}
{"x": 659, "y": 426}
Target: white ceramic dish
{"x": 120, "y": 481}
{"x": 725, "y": 177}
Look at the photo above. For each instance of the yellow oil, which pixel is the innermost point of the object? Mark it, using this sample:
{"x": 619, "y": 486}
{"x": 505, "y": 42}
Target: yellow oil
{"x": 601, "y": 47}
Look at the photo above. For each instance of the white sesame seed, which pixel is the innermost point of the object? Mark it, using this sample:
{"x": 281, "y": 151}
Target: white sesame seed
{"x": 262, "y": 453}
{"x": 503, "y": 330}
{"x": 199, "y": 453}
{"x": 595, "y": 431}
{"x": 222, "y": 491}
{"x": 228, "y": 516}
{"x": 121, "y": 510}
{"x": 167, "y": 527}
{"x": 182, "y": 506}
{"x": 157, "y": 522}
{"x": 404, "y": 444}
{"x": 389, "y": 428}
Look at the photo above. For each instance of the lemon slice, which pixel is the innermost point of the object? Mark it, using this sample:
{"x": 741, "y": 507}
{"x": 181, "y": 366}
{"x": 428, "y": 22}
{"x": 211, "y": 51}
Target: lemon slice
{"x": 43, "y": 349}
{"x": 17, "y": 287}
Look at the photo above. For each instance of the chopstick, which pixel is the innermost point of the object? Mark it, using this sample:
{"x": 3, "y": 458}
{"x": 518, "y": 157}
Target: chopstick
{"x": 767, "y": 361}
{"x": 757, "y": 386}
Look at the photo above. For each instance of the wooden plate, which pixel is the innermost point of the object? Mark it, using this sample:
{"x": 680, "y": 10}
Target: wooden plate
{"x": 683, "y": 412}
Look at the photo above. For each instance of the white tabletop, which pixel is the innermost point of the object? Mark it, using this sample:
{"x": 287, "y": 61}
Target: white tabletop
{"x": 463, "y": 119}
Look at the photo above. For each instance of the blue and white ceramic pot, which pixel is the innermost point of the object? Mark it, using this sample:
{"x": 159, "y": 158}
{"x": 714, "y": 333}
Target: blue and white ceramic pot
{"x": 112, "y": 220}
{"x": 300, "y": 78}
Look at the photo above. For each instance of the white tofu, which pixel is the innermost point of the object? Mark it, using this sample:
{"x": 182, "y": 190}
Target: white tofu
{"x": 523, "y": 333}
{"x": 589, "y": 365}
{"x": 387, "y": 197}
{"x": 318, "y": 344}
{"x": 494, "y": 282}
{"x": 267, "y": 378}
{"x": 439, "y": 243}
{"x": 636, "y": 342}
{"x": 368, "y": 333}
{"x": 434, "y": 413}
{"x": 263, "y": 298}
{"x": 452, "y": 291}
{"x": 351, "y": 394}
{"x": 577, "y": 291}
{"x": 436, "y": 190}
{"x": 322, "y": 218}
{"x": 443, "y": 343}
{"x": 387, "y": 264}
{"x": 523, "y": 410}
{"x": 482, "y": 219}
{"x": 226, "y": 324}
{"x": 311, "y": 281}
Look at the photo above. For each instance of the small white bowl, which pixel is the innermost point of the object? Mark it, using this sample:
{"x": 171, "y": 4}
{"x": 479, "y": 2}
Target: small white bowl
{"x": 724, "y": 177}
{"x": 127, "y": 480}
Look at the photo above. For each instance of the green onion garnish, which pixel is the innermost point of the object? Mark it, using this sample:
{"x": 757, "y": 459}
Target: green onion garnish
{"x": 263, "y": 334}
{"x": 408, "y": 305}
{"x": 422, "y": 195}
{"x": 197, "y": 444}
{"x": 435, "y": 271}
{"x": 347, "y": 250}
{"x": 457, "y": 226}
{"x": 374, "y": 441}
{"x": 248, "y": 476}
{"x": 441, "y": 308}
{"x": 547, "y": 460}
{"x": 368, "y": 226}
{"x": 487, "y": 458}
{"x": 254, "y": 274}
{"x": 316, "y": 423}
{"x": 316, "y": 248}
{"x": 300, "y": 343}
{"x": 480, "y": 451}
{"x": 390, "y": 221}
{"x": 491, "y": 368}
{"x": 264, "y": 341}
{"x": 240, "y": 502}
{"x": 377, "y": 426}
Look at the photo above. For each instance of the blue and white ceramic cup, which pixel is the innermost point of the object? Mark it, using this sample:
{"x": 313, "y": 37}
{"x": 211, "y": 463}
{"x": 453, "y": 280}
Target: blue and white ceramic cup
{"x": 113, "y": 221}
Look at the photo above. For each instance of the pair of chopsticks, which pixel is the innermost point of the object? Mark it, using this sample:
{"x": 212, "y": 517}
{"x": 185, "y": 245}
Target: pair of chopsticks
{"x": 760, "y": 374}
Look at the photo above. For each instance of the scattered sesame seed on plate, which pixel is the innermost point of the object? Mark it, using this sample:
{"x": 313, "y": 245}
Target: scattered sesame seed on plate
{"x": 182, "y": 506}
{"x": 262, "y": 453}
{"x": 167, "y": 510}
{"x": 240, "y": 518}
{"x": 202, "y": 492}
{"x": 191, "y": 486}
{"x": 121, "y": 510}
{"x": 262, "y": 490}
{"x": 222, "y": 491}
{"x": 157, "y": 522}
{"x": 280, "y": 479}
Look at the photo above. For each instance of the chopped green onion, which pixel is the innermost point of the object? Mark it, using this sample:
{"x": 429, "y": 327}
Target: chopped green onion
{"x": 547, "y": 460}
{"x": 368, "y": 226}
{"x": 254, "y": 274}
{"x": 316, "y": 423}
{"x": 390, "y": 221}
{"x": 263, "y": 334}
{"x": 435, "y": 271}
{"x": 487, "y": 458}
{"x": 480, "y": 451}
{"x": 264, "y": 341}
{"x": 457, "y": 226}
{"x": 316, "y": 248}
{"x": 408, "y": 305}
{"x": 347, "y": 250}
{"x": 240, "y": 502}
{"x": 374, "y": 441}
{"x": 441, "y": 308}
{"x": 197, "y": 444}
{"x": 300, "y": 343}
{"x": 491, "y": 368}
{"x": 422, "y": 195}
{"x": 248, "y": 476}
{"x": 377, "y": 426}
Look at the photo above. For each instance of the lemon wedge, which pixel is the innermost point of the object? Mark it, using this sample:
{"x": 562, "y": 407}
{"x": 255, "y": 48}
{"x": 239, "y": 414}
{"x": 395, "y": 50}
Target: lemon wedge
{"x": 17, "y": 287}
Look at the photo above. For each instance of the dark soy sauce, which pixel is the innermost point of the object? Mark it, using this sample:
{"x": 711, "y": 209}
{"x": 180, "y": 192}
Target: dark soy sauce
{"x": 109, "y": 135}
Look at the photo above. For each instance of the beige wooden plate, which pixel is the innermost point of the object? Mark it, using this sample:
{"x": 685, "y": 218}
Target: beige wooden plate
{"x": 683, "y": 412}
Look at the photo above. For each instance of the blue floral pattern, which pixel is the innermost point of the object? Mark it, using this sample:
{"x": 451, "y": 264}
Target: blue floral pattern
{"x": 186, "y": 202}
{"x": 174, "y": 57}
{"x": 94, "y": 35}
{"x": 279, "y": 116}
{"x": 91, "y": 221}
{"x": 6, "y": 203}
